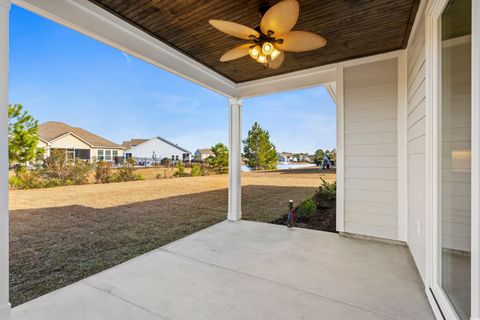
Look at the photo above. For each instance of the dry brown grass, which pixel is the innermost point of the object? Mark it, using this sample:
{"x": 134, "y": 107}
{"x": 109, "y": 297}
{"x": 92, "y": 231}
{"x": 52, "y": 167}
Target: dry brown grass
{"x": 61, "y": 235}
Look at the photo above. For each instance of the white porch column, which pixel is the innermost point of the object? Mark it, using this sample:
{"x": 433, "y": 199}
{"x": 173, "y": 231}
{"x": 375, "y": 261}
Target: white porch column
{"x": 4, "y": 270}
{"x": 234, "y": 156}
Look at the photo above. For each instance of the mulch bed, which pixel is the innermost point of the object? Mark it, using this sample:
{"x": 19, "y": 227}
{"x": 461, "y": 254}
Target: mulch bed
{"x": 324, "y": 218}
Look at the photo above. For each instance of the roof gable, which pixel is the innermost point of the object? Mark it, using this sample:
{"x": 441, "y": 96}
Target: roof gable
{"x": 52, "y": 130}
{"x": 204, "y": 151}
{"x": 158, "y": 138}
{"x": 133, "y": 143}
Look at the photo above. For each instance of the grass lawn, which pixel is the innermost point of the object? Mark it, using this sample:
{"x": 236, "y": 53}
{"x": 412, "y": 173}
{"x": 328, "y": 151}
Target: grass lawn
{"x": 61, "y": 235}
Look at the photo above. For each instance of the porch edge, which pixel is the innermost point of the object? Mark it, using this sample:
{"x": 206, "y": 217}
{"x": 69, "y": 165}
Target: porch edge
{"x": 371, "y": 238}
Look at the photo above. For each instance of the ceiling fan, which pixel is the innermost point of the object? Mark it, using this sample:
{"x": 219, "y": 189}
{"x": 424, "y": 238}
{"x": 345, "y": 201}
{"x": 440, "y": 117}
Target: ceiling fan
{"x": 274, "y": 36}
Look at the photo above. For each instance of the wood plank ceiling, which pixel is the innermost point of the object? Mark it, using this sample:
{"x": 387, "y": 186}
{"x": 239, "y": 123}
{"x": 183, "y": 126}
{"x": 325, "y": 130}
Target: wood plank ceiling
{"x": 353, "y": 29}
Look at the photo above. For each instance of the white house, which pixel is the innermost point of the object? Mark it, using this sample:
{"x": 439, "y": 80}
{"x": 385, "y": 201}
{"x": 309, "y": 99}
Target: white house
{"x": 405, "y": 77}
{"x": 203, "y": 154}
{"x": 284, "y": 156}
{"x": 156, "y": 148}
{"x": 78, "y": 144}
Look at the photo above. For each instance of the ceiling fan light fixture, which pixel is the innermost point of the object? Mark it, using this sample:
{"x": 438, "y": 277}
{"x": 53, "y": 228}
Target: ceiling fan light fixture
{"x": 267, "y": 48}
{"x": 275, "y": 53}
{"x": 254, "y": 52}
{"x": 262, "y": 58}
{"x": 268, "y": 43}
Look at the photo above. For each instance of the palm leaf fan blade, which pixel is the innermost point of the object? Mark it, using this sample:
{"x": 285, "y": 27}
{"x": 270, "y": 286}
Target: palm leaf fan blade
{"x": 275, "y": 64}
{"x": 234, "y": 29}
{"x": 299, "y": 41}
{"x": 235, "y": 53}
{"x": 280, "y": 18}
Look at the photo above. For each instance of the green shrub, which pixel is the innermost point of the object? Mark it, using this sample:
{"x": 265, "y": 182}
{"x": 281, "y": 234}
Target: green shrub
{"x": 79, "y": 172}
{"x": 326, "y": 192}
{"x": 203, "y": 171}
{"x": 306, "y": 208}
{"x": 127, "y": 172}
{"x": 27, "y": 179}
{"x": 53, "y": 182}
{"x": 56, "y": 165}
{"x": 103, "y": 172}
{"x": 55, "y": 173}
{"x": 196, "y": 170}
{"x": 180, "y": 170}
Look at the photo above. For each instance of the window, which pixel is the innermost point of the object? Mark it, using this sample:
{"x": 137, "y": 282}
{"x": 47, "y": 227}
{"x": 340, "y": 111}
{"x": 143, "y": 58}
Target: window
{"x": 115, "y": 153}
{"x": 173, "y": 158}
{"x": 176, "y": 157}
{"x": 108, "y": 155}
{"x": 83, "y": 154}
{"x": 100, "y": 155}
{"x": 70, "y": 154}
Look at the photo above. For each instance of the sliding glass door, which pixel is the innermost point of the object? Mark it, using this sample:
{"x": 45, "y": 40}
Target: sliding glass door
{"x": 454, "y": 157}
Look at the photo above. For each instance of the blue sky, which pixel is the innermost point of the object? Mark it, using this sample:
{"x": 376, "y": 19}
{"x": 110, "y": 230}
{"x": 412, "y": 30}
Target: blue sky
{"x": 61, "y": 75}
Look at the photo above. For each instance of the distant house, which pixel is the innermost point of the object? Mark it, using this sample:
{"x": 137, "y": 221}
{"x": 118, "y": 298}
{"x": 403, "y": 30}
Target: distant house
{"x": 304, "y": 157}
{"x": 284, "y": 157}
{"x": 203, "y": 154}
{"x": 156, "y": 148}
{"x": 133, "y": 143}
{"x": 78, "y": 144}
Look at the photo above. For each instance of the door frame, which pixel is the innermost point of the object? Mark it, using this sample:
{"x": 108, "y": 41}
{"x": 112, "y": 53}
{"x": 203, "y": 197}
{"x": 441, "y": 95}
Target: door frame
{"x": 433, "y": 16}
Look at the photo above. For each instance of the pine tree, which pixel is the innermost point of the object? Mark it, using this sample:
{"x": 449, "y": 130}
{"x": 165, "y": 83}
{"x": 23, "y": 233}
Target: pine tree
{"x": 258, "y": 152}
{"x": 22, "y": 135}
{"x": 219, "y": 158}
{"x": 318, "y": 158}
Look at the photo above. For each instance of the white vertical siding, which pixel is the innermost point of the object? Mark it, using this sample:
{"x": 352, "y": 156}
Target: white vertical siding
{"x": 370, "y": 111}
{"x": 416, "y": 178}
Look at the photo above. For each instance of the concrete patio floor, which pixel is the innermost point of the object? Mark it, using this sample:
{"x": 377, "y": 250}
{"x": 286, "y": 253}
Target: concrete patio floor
{"x": 248, "y": 270}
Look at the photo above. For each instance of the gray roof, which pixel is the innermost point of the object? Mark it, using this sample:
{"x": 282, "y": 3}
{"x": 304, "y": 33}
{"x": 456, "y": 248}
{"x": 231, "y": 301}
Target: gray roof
{"x": 136, "y": 142}
{"x": 51, "y": 130}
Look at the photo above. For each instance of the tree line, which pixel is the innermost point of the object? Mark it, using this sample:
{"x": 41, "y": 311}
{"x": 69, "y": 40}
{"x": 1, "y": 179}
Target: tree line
{"x": 259, "y": 153}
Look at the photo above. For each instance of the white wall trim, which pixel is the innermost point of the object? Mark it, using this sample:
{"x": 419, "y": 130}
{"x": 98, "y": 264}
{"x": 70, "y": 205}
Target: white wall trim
{"x": 374, "y": 58}
{"x": 4, "y": 215}
{"x": 402, "y": 157}
{"x": 475, "y": 310}
{"x": 332, "y": 91}
{"x": 436, "y": 310}
{"x": 304, "y": 78}
{"x": 291, "y": 81}
{"x": 234, "y": 159}
{"x": 93, "y": 21}
{"x": 340, "y": 165}
{"x": 418, "y": 18}
{"x": 428, "y": 148}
